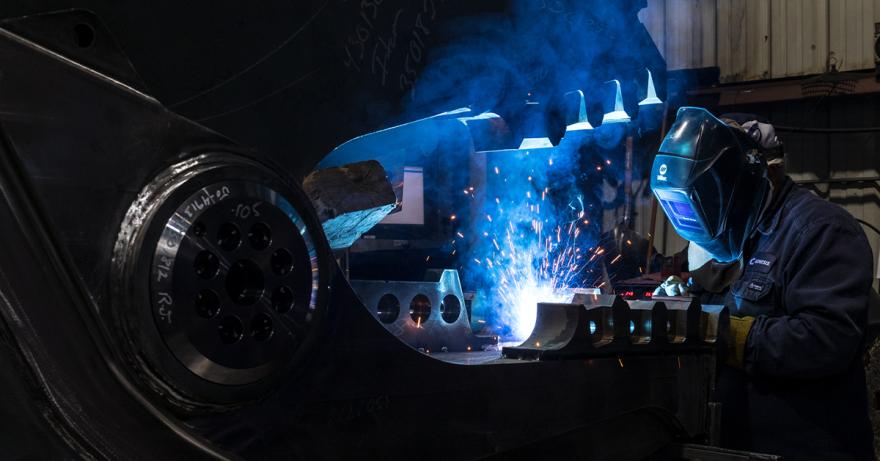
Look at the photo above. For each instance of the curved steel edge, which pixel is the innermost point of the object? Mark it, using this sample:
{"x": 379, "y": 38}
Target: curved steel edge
{"x": 6, "y": 34}
{"x": 31, "y": 238}
{"x": 45, "y": 275}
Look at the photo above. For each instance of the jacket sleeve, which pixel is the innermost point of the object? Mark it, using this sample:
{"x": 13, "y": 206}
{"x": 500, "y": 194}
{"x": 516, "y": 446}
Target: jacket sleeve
{"x": 825, "y": 296}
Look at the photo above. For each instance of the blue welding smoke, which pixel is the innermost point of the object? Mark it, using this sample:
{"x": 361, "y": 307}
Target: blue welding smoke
{"x": 529, "y": 225}
{"x": 534, "y": 228}
{"x": 544, "y": 48}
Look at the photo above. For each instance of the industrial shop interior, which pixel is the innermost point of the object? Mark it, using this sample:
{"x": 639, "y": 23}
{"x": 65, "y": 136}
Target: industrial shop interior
{"x": 641, "y": 230}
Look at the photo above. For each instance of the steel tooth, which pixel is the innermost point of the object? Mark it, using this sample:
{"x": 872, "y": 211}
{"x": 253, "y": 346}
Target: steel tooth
{"x": 599, "y": 324}
{"x": 683, "y": 320}
{"x": 713, "y": 320}
{"x": 611, "y": 307}
{"x": 617, "y": 113}
{"x": 590, "y": 326}
{"x": 647, "y": 323}
{"x": 581, "y": 123}
{"x": 650, "y": 93}
{"x": 556, "y": 326}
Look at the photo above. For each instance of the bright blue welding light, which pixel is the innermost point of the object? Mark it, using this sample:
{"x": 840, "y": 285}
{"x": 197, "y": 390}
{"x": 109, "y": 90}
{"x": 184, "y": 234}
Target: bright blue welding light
{"x": 534, "y": 242}
{"x": 632, "y": 326}
{"x": 592, "y": 327}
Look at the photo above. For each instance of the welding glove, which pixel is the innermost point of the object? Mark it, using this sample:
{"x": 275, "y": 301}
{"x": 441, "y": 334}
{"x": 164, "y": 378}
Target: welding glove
{"x": 673, "y": 286}
{"x": 736, "y": 342}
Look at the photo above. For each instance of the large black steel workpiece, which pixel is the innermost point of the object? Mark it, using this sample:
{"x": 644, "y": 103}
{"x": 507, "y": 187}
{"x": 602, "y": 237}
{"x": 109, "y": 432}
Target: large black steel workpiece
{"x": 168, "y": 294}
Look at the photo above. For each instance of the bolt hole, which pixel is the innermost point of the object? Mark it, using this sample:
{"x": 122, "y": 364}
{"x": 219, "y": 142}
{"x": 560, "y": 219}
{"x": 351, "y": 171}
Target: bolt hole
{"x": 420, "y": 309}
{"x": 244, "y": 282}
{"x": 207, "y": 304}
{"x": 206, "y": 264}
{"x": 450, "y": 308}
{"x": 84, "y": 35}
{"x": 199, "y": 229}
{"x": 261, "y": 327}
{"x": 230, "y": 330}
{"x": 388, "y": 309}
{"x": 282, "y": 299}
{"x": 282, "y": 262}
{"x": 260, "y": 236}
{"x": 228, "y": 237}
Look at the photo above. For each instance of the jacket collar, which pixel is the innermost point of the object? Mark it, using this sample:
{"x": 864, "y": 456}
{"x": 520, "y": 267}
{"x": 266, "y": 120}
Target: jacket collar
{"x": 771, "y": 217}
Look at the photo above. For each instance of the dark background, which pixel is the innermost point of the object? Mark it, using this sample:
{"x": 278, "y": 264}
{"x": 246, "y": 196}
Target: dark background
{"x": 300, "y": 77}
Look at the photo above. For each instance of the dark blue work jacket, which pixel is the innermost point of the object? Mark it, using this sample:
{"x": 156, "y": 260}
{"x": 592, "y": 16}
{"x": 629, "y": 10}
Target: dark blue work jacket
{"x": 806, "y": 278}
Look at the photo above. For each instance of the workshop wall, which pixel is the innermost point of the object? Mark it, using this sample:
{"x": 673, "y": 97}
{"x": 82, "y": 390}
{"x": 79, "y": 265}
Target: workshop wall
{"x": 760, "y": 39}
{"x": 842, "y": 167}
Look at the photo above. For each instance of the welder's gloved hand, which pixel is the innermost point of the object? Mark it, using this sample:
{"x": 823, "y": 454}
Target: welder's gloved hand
{"x": 736, "y": 342}
{"x": 672, "y": 286}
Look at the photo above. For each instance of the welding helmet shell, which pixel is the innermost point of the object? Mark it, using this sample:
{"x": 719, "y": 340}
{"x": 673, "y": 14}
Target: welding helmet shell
{"x": 711, "y": 181}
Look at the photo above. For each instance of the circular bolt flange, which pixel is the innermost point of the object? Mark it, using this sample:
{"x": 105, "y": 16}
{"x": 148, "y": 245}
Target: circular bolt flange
{"x": 263, "y": 281}
{"x": 218, "y": 281}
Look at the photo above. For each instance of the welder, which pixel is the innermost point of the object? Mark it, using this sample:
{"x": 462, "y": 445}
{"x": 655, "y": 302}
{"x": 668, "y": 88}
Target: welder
{"x": 795, "y": 272}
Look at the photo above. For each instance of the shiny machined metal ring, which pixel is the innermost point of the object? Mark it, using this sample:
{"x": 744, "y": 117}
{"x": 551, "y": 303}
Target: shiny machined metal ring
{"x": 234, "y": 281}
{"x": 219, "y": 282}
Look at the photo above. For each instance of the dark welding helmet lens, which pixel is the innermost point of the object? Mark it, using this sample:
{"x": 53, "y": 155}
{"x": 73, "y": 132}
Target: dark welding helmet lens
{"x": 710, "y": 182}
{"x": 683, "y": 213}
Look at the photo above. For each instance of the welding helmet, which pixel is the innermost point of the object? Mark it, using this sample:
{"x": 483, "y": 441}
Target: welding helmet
{"x": 711, "y": 181}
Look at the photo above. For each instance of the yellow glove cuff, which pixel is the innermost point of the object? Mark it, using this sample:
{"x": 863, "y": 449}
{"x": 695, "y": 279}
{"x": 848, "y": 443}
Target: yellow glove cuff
{"x": 739, "y": 334}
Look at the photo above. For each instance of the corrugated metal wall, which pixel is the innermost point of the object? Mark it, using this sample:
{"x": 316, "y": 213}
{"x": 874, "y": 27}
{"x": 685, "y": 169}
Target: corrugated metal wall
{"x": 759, "y": 39}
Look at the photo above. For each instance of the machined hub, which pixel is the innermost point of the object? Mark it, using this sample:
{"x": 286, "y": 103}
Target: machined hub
{"x": 228, "y": 259}
{"x": 233, "y": 281}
